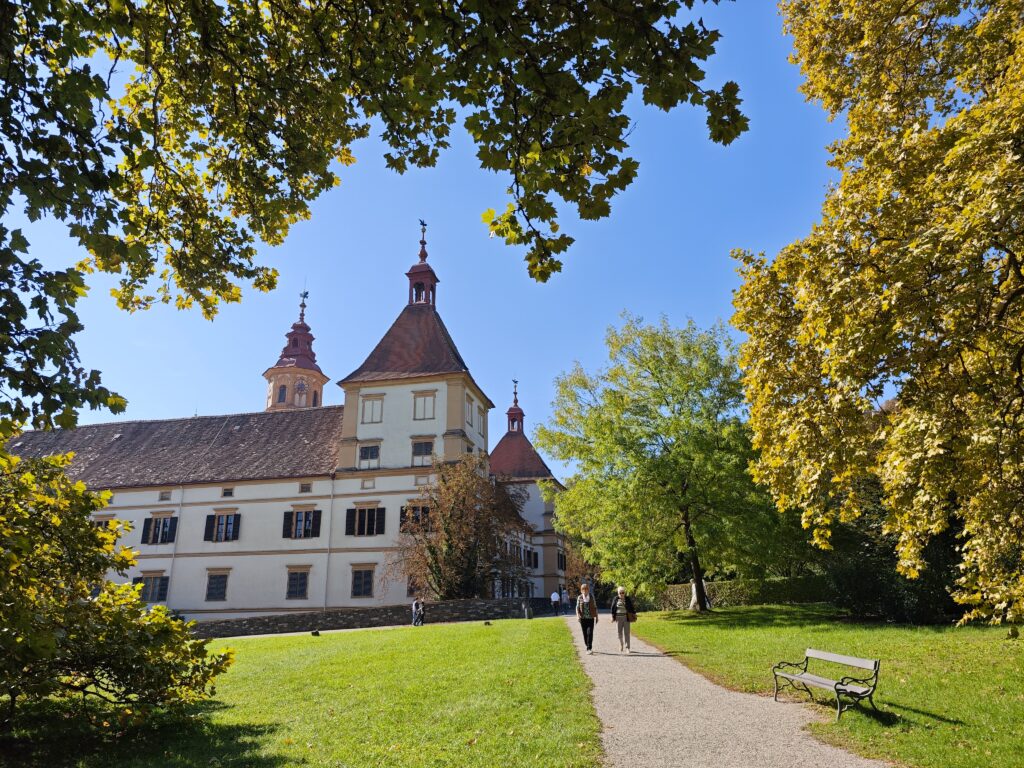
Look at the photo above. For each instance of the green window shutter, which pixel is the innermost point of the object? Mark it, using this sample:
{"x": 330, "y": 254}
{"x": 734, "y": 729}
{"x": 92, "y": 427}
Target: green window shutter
{"x": 350, "y": 522}
{"x": 147, "y": 530}
{"x": 380, "y": 521}
{"x": 286, "y": 528}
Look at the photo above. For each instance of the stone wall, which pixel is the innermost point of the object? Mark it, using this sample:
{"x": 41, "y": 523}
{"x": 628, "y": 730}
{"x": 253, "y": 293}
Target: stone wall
{"x": 382, "y": 616}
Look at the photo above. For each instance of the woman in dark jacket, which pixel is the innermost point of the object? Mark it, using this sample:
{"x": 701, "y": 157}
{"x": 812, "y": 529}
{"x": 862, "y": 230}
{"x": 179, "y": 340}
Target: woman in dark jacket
{"x": 623, "y": 611}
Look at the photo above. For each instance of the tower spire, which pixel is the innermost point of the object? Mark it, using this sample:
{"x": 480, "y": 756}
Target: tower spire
{"x": 295, "y": 380}
{"x": 422, "y": 279}
{"x": 515, "y": 414}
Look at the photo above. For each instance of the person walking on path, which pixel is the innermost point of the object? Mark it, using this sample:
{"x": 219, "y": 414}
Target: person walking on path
{"x": 586, "y": 612}
{"x": 554, "y": 602}
{"x": 417, "y": 612}
{"x": 623, "y": 612}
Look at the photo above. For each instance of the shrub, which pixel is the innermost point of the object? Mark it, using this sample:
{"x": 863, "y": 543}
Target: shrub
{"x": 63, "y": 628}
{"x": 798, "y": 589}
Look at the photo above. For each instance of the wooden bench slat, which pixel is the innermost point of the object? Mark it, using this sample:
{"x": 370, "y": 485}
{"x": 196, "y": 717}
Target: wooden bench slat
{"x": 850, "y": 661}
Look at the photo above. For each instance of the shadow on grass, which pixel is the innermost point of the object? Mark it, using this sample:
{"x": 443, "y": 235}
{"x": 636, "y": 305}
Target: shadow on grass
{"x": 55, "y": 734}
{"x": 925, "y": 713}
{"x": 760, "y": 616}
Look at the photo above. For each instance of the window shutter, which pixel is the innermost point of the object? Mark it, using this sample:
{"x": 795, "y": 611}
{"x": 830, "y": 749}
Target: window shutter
{"x": 137, "y": 580}
{"x": 317, "y": 514}
{"x": 208, "y": 533}
{"x": 286, "y": 529}
{"x": 402, "y": 517}
{"x": 380, "y": 521}
{"x": 162, "y": 591}
{"x": 172, "y": 530}
{"x": 147, "y": 530}
{"x": 237, "y": 527}
{"x": 350, "y": 522}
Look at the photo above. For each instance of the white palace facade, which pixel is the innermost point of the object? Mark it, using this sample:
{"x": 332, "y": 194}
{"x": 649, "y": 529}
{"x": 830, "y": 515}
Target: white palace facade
{"x": 297, "y": 507}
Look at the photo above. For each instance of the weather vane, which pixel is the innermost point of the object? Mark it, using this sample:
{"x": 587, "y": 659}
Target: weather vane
{"x": 515, "y": 391}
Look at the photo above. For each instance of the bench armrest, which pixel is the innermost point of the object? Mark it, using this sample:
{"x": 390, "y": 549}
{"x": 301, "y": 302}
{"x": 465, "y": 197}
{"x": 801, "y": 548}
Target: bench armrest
{"x": 784, "y": 665}
{"x": 871, "y": 681}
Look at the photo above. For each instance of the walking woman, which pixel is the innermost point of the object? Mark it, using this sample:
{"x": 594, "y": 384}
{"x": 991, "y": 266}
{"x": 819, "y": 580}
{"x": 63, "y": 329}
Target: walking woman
{"x": 623, "y": 612}
{"x": 586, "y": 612}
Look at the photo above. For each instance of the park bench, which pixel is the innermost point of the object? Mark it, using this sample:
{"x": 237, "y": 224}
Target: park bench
{"x": 855, "y": 689}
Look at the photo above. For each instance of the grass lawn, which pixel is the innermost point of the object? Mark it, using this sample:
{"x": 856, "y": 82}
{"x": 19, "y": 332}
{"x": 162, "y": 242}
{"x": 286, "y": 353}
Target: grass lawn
{"x": 509, "y": 694}
{"x": 950, "y": 698}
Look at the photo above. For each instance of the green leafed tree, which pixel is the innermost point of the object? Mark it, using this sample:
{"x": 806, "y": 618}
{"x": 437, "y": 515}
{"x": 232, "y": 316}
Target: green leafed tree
{"x": 661, "y": 451}
{"x": 910, "y": 288}
{"x": 173, "y": 137}
{"x": 64, "y": 629}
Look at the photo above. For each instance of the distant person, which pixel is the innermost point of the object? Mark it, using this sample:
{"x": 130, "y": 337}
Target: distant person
{"x": 586, "y": 612}
{"x": 623, "y": 612}
{"x": 565, "y": 600}
{"x": 555, "y": 599}
{"x": 417, "y": 612}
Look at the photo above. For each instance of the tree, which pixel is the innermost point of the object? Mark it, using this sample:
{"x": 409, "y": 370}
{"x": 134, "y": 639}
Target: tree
{"x": 661, "y": 453}
{"x": 65, "y": 630}
{"x": 910, "y": 287}
{"x": 461, "y": 536}
{"x": 234, "y": 116}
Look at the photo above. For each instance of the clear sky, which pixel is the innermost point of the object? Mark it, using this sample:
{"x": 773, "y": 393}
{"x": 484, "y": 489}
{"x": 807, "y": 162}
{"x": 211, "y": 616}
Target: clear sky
{"x": 664, "y": 250}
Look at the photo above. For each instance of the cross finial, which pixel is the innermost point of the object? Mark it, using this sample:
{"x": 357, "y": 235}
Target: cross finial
{"x": 423, "y": 240}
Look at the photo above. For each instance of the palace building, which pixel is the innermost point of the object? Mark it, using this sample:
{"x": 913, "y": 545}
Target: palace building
{"x": 297, "y": 507}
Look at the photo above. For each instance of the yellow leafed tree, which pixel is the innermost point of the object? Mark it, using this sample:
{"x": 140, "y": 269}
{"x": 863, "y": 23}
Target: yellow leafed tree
{"x": 909, "y": 289}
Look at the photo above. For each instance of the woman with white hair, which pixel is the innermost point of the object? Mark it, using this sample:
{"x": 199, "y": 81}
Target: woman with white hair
{"x": 623, "y": 612}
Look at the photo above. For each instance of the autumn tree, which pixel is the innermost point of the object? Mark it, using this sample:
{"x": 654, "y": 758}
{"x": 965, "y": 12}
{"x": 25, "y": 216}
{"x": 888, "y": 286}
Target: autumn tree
{"x": 463, "y": 535}
{"x": 911, "y": 286}
{"x": 64, "y": 629}
{"x": 661, "y": 452}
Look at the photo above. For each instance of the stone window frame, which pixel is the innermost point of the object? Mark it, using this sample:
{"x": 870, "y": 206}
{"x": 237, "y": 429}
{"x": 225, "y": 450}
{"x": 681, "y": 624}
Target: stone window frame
{"x": 370, "y": 463}
{"x": 362, "y": 568}
{"x": 426, "y": 396}
{"x": 297, "y": 569}
{"x": 376, "y": 403}
{"x": 226, "y": 573}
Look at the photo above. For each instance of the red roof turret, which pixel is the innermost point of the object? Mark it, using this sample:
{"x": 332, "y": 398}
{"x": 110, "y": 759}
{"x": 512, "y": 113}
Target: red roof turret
{"x": 514, "y": 456}
{"x": 298, "y": 349}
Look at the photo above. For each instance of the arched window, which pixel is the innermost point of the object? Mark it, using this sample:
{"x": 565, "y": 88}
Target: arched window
{"x": 417, "y": 293}
{"x": 316, "y": 399}
{"x": 282, "y": 393}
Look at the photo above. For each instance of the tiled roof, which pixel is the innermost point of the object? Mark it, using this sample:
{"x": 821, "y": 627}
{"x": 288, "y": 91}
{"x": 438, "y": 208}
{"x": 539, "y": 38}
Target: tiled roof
{"x": 242, "y": 446}
{"x": 416, "y": 344}
{"x": 515, "y": 457}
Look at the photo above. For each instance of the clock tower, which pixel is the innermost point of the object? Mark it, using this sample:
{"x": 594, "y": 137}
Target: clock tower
{"x": 295, "y": 380}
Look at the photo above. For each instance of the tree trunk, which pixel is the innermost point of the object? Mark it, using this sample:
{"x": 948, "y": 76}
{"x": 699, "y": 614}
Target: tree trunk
{"x": 698, "y": 572}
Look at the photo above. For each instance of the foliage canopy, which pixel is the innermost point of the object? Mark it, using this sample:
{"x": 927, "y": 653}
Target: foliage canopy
{"x": 911, "y": 284}
{"x": 172, "y": 137}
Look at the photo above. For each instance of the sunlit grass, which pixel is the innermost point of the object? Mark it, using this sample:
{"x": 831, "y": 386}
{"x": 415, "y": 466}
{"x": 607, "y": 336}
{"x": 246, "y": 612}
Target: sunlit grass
{"x": 508, "y": 694}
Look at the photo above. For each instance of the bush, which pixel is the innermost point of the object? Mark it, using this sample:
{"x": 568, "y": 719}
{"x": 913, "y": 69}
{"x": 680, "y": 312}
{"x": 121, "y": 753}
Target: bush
{"x": 65, "y": 630}
{"x": 799, "y": 589}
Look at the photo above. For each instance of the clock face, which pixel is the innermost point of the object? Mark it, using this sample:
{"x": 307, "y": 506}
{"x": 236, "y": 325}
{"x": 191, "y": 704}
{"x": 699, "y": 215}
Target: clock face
{"x": 300, "y": 386}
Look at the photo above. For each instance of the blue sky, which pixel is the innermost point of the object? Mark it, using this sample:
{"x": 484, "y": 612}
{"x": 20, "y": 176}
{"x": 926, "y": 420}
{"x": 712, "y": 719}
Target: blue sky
{"x": 664, "y": 250}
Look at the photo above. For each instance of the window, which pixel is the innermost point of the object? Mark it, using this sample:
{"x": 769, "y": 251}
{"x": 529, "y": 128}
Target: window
{"x": 154, "y": 587}
{"x": 316, "y": 399}
{"x": 298, "y": 584}
{"x": 411, "y": 588}
{"x": 415, "y": 514}
{"x": 364, "y": 521}
{"x": 469, "y": 411}
{"x": 282, "y": 393}
{"x": 480, "y": 419}
{"x": 159, "y": 530}
{"x": 421, "y": 453}
{"x": 222, "y": 526}
{"x": 369, "y": 456}
{"x": 302, "y": 524}
{"x": 423, "y": 406}
{"x": 561, "y": 561}
{"x": 305, "y": 487}
{"x": 165, "y": 495}
{"x": 102, "y": 522}
{"x": 227, "y": 493}
{"x": 216, "y": 586}
{"x": 362, "y": 582}
{"x": 368, "y": 483}
{"x": 373, "y": 410}
{"x": 421, "y": 480}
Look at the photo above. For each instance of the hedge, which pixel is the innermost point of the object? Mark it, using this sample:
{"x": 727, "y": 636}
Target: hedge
{"x": 801, "y": 589}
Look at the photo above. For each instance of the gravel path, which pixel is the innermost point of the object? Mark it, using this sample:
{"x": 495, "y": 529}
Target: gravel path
{"x": 657, "y": 712}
